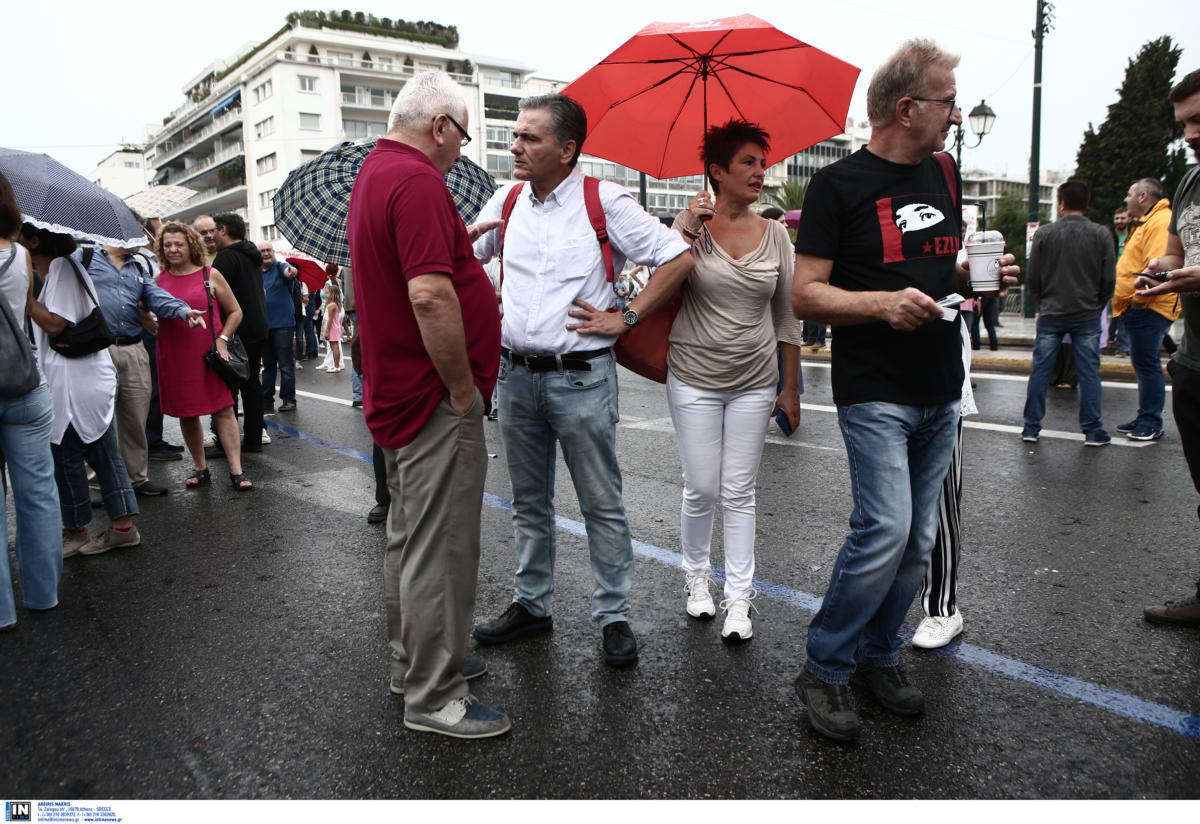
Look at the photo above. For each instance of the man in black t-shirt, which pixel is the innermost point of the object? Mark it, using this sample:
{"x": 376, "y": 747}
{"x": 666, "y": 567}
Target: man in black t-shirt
{"x": 875, "y": 250}
{"x": 1182, "y": 263}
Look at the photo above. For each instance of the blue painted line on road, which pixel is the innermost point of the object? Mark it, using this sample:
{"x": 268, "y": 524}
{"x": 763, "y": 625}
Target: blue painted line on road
{"x": 1057, "y": 683}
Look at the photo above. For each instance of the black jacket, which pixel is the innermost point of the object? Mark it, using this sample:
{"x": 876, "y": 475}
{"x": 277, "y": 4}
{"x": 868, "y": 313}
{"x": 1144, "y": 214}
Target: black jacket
{"x": 241, "y": 265}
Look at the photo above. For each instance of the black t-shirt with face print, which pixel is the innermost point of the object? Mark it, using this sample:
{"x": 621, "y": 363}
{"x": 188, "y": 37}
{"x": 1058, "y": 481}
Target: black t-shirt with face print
{"x": 887, "y": 226}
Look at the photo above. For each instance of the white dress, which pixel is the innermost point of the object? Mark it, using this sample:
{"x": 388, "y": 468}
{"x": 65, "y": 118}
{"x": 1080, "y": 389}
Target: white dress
{"x": 83, "y": 388}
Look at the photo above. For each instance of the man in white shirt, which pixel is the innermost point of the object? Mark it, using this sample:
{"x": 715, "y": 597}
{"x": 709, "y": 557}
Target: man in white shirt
{"x": 558, "y": 379}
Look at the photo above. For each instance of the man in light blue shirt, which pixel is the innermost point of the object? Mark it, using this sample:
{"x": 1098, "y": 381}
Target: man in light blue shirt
{"x": 125, "y": 290}
{"x": 279, "y": 280}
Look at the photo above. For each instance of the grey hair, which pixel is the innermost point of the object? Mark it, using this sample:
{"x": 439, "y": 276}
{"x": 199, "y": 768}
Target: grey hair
{"x": 568, "y": 121}
{"x": 425, "y": 97}
{"x": 1150, "y": 186}
{"x": 903, "y": 74}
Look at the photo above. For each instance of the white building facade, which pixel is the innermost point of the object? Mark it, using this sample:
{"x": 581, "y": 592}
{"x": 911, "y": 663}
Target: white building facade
{"x": 123, "y": 172}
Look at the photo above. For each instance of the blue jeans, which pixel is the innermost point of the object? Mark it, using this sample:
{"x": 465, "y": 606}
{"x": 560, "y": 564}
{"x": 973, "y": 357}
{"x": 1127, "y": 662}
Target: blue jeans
{"x": 579, "y": 411}
{"x": 278, "y": 350}
{"x": 310, "y": 338}
{"x": 898, "y": 458}
{"x": 355, "y": 383}
{"x": 1085, "y": 339}
{"x": 25, "y": 440}
{"x": 104, "y": 456}
{"x": 1146, "y": 329}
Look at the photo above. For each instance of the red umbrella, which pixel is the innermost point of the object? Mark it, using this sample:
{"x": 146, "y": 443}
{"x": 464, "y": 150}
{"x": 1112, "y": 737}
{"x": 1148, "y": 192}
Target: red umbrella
{"x": 649, "y": 102}
{"x": 312, "y": 271}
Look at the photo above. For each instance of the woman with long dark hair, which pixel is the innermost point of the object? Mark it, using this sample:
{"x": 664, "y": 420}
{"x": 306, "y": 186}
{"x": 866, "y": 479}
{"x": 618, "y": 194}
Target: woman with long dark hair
{"x": 25, "y": 423}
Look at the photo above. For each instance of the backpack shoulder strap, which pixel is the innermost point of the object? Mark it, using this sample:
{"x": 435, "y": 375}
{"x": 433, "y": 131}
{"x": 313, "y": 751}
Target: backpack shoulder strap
{"x": 947, "y": 163}
{"x": 510, "y": 200}
{"x": 591, "y": 199}
{"x": 88, "y": 253}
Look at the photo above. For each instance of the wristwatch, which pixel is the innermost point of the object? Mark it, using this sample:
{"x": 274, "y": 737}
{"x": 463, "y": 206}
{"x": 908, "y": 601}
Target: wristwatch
{"x": 630, "y": 317}
{"x": 224, "y": 337}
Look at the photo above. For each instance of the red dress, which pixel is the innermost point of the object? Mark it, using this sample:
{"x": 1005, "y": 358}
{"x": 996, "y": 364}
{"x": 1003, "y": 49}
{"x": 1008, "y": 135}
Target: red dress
{"x": 187, "y": 387}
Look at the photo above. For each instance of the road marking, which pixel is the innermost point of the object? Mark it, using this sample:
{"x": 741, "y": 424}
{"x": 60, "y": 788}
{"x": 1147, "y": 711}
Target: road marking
{"x": 1001, "y": 376}
{"x": 1056, "y": 683}
{"x": 665, "y": 426}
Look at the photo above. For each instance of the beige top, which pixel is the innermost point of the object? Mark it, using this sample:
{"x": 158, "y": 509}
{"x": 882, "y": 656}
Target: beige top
{"x": 733, "y": 313}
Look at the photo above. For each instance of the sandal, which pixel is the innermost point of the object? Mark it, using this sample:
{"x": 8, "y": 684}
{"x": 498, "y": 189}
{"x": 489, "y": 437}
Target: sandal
{"x": 241, "y": 483}
{"x": 201, "y": 477}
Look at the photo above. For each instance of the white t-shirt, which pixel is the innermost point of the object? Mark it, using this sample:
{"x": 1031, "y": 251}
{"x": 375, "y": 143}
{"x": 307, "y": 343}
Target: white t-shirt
{"x": 14, "y": 284}
{"x": 83, "y": 388}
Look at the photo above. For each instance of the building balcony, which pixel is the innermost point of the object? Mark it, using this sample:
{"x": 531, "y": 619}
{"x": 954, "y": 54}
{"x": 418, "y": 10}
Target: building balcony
{"x": 199, "y": 168}
{"x": 170, "y": 151}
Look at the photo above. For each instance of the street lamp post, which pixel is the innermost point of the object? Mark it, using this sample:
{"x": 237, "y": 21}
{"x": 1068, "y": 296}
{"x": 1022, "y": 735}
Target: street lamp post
{"x": 981, "y": 119}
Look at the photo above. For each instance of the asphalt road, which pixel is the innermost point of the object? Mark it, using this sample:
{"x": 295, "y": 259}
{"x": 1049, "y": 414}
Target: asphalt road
{"x": 240, "y": 651}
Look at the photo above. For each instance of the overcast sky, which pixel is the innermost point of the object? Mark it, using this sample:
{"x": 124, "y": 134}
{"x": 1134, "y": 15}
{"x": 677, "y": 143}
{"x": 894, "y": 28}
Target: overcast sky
{"x": 82, "y": 77}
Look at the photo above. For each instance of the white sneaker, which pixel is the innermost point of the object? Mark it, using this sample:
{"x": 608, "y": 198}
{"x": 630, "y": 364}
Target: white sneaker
{"x": 210, "y": 439}
{"x": 737, "y": 616}
{"x": 699, "y": 602}
{"x": 934, "y": 631}
{"x": 265, "y": 437}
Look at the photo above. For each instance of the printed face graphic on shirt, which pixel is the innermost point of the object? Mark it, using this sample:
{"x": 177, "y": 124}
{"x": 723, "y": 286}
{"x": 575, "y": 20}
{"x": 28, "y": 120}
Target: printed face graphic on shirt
{"x": 916, "y": 226}
{"x": 1187, "y": 221}
{"x": 917, "y": 216}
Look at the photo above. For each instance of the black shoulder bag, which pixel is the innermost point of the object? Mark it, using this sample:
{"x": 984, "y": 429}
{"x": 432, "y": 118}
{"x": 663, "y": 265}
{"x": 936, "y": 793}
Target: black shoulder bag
{"x": 234, "y": 371}
{"x": 86, "y": 335}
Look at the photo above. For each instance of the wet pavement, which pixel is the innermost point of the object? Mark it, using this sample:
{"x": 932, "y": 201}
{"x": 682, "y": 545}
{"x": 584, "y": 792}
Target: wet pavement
{"x": 240, "y": 651}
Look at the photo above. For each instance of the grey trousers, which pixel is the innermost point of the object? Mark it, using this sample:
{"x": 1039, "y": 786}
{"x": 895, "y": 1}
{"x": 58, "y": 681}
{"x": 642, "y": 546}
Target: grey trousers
{"x": 432, "y": 559}
{"x": 132, "y": 405}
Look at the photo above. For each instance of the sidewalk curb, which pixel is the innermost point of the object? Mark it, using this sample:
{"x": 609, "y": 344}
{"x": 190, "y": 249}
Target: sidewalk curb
{"x": 1019, "y": 364}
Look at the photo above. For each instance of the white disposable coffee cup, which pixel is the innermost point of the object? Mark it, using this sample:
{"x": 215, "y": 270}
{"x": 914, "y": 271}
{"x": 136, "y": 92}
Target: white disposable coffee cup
{"x": 983, "y": 259}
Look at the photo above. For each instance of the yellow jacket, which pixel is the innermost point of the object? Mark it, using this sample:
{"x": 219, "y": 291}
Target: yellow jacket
{"x": 1147, "y": 241}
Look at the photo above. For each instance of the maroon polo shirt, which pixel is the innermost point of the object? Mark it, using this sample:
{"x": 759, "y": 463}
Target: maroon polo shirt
{"x": 402, "y": 224}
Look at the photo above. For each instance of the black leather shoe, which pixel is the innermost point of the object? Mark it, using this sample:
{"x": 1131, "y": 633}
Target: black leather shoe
{"x": 620, "y": 647}
{"x": 378, "y": 514}
{"x": 513, "y": 623}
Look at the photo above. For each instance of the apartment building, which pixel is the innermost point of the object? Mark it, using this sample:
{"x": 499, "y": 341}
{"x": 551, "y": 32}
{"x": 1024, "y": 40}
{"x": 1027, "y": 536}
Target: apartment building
{"x": 253, "y": 117}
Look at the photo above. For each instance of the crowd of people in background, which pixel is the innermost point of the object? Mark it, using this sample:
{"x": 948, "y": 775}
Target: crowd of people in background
{"x": 436, "y": 348}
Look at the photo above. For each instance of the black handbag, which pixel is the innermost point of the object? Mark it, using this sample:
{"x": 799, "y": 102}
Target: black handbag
{"x": 234, "y": 371}
{"x": 86, "y": 335}
{"x": 20, "y": 374}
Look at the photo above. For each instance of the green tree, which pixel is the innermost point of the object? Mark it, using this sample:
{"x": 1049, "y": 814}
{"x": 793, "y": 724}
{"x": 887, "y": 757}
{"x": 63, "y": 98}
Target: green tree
{"x": 790, "y": 195}
{"x": 1136, "y": 138}
{"x": 1012, "y": 213}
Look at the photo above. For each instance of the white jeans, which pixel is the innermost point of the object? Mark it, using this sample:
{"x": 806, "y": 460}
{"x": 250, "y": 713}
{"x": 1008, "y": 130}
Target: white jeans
{"x": 720, "y": 436}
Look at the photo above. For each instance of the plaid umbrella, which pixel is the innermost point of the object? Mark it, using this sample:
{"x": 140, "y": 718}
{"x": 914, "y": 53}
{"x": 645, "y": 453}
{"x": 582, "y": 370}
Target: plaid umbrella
{"x": 54, "y": 198}
{"x": 311, "y": 205}
{"x": 160, "y": 201}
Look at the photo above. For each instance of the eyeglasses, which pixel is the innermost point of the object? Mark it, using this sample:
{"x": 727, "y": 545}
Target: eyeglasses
{"x": 950, "y": 101}
{"x": 466, "y": 138}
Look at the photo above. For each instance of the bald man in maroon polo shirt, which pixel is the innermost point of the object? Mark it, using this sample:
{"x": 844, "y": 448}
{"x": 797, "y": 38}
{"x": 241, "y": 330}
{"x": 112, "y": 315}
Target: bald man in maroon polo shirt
{"x": 430, "y": 335}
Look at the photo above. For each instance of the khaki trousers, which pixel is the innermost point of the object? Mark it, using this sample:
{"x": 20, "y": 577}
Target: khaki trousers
{"x": 432, "y": 559}
{"x": 131, "y": 408}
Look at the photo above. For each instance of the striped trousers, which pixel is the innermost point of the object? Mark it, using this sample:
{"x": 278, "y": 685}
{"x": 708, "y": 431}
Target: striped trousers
{"x": 939, "y": 589}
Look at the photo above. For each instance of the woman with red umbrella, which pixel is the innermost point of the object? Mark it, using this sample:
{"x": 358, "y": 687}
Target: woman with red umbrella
{"x": 721, "y": 385}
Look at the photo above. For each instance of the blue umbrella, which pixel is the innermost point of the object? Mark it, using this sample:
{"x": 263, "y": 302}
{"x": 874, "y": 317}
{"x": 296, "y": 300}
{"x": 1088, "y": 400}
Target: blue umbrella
{"x": 54, "y": 198}
{"x": 312, "y": 204}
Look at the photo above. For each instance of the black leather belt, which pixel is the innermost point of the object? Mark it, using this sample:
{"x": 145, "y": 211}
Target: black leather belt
{"x": 574, "y": 361}
{"x": 120, "y": 340}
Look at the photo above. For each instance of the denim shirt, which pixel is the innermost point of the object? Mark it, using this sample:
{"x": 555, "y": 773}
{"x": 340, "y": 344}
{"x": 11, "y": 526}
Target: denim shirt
{"x": 119, "y": 292}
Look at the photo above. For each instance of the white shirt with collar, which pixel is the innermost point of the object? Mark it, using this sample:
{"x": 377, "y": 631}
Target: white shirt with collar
{"x": 552, "y": 257}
